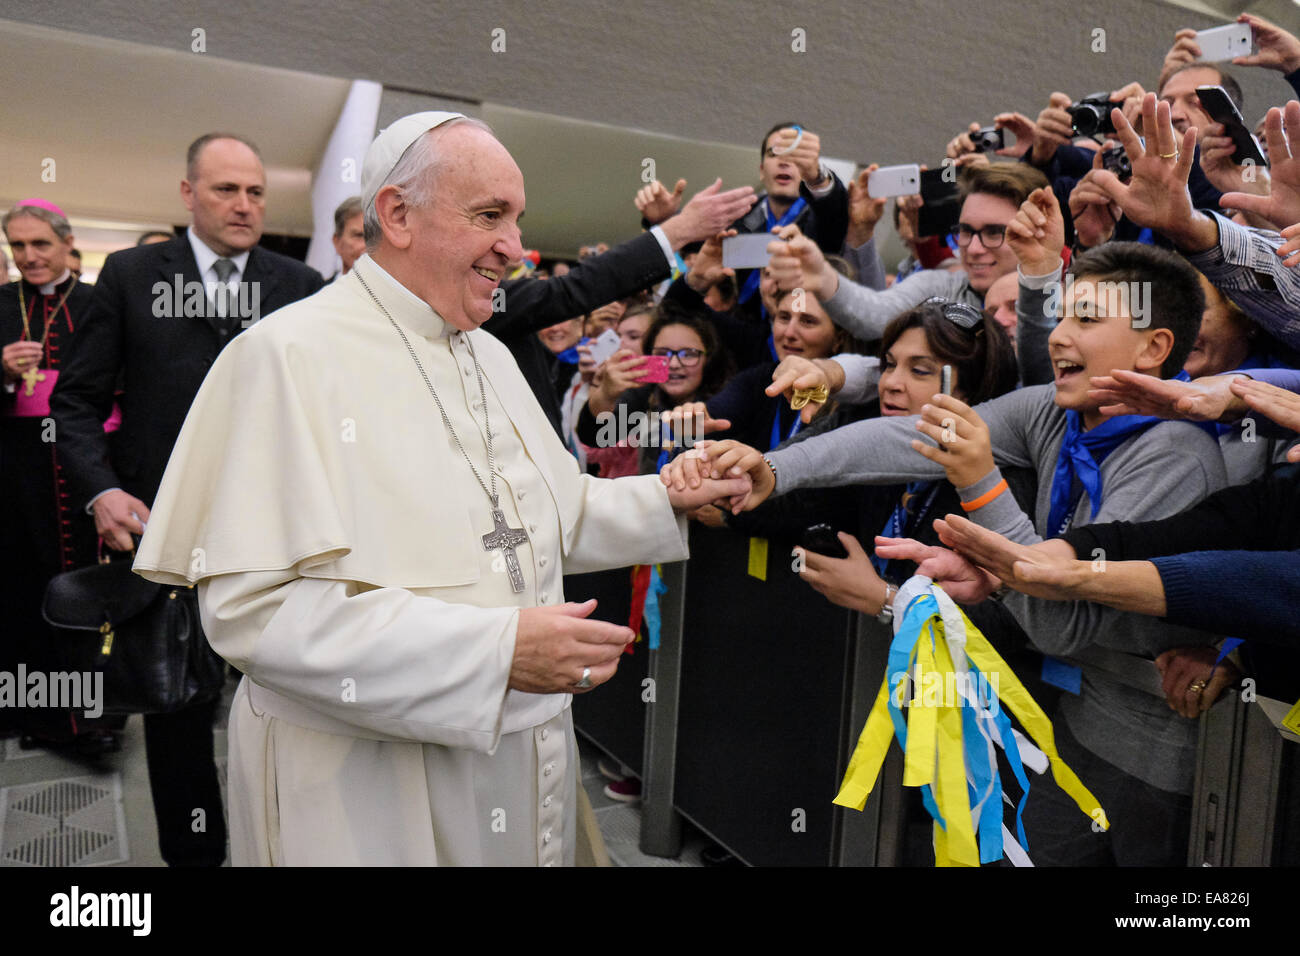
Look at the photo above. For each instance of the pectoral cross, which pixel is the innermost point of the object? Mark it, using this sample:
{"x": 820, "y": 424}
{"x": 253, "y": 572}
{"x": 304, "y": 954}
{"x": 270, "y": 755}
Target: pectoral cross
{"x": 31, "y": 377}
{"x": 507, "y": 539}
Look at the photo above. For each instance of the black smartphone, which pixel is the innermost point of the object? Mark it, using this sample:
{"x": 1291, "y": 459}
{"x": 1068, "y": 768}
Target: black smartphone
{"x": 939, "y": 185}
{"x": 822, "y": 539}
{"x": 1219, "y": 105}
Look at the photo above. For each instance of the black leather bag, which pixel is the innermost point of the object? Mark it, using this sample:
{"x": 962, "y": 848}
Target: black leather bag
{"x": 145, "y": 637}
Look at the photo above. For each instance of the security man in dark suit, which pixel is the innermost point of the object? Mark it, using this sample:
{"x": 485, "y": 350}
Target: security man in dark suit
{"x": 160, "y": 315}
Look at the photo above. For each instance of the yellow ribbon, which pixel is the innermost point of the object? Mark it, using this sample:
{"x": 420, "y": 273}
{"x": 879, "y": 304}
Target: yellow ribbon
{"x": 935, "y": 753}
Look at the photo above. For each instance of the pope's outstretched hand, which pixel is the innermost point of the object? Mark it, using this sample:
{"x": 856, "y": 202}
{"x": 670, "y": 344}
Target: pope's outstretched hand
{"x": 711, "y": 465}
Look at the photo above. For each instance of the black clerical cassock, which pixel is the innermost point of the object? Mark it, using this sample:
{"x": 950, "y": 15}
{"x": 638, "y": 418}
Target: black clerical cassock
{"x": 41, "y": 533}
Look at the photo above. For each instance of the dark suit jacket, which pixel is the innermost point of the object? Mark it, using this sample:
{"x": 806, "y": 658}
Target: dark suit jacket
{"x": 133, "y": 330}
{"x": 533, "y": 304}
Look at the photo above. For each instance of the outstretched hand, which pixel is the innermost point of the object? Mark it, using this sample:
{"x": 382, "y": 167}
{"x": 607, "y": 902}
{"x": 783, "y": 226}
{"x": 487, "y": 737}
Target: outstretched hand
{"x": 710, "y": 460}
{"x": 1048, "y": 569}
{"x": 1281, "y": 205}
{"x": 1125, "y": 392}
{"x": 964, "y": 582}
{"x": 1156, "y": 196}
{"x": 1280, "y": 405}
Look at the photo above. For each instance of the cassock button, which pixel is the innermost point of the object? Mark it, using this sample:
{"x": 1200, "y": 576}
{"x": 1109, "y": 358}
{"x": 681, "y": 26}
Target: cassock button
{"x": 543, "y": 597}
{"x": 468, "y": 370}
{"x": 541, "y": 562}
{"x": 545, "y": 734}
{"x": 546, "y": 802}
{"x": 521, "y": 495}
{"x": 532, "y": 528}
{"x": 546, "y": 837}
{"x": 546, "y": 771}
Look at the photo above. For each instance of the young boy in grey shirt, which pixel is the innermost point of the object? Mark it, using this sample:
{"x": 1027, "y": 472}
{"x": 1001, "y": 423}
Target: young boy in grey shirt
{"x": 1090, "y": 469}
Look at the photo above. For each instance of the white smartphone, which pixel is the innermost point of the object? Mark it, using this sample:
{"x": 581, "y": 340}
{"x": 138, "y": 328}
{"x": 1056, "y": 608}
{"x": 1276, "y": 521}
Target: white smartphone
{"x": 894, "y": 181}
{"x": 1223, "y": 43}
{"x": 606, "y": 344}
{"x": 748, "y": 251}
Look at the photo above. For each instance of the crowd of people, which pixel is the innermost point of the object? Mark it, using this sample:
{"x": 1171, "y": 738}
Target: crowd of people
{"x": 1093, "y": 357}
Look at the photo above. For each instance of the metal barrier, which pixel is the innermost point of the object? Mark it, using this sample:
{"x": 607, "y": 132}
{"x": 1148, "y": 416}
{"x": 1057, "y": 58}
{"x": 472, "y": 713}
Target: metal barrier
{"x": 744, "y": 719}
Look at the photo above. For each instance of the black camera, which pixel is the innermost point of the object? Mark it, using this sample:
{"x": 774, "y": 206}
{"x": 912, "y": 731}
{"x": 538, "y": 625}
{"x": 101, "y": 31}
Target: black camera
{"x": 1117, "y": 161}
{"x": 987, "y": 139}
{"x": 1091, "y": 115}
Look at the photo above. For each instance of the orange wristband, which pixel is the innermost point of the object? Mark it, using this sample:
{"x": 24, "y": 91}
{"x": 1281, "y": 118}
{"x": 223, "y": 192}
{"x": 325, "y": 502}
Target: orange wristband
{"x": 982, "y": 500}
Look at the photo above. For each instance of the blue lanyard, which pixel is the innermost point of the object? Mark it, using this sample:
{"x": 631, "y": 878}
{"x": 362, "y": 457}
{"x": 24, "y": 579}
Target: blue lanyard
{"x": 776, "y": 425}
{"x": 791, "y": 214}
{"x": 902, "y": 518}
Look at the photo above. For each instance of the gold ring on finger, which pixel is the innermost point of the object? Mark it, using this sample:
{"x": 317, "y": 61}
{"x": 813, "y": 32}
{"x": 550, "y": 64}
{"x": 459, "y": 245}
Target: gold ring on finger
{"x": 1197, "y": 687}
{"x": 1174, "y": 155}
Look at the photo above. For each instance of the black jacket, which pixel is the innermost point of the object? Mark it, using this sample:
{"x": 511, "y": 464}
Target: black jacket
{"x": 533, "y": 304}
{"x": 134, "y": 330}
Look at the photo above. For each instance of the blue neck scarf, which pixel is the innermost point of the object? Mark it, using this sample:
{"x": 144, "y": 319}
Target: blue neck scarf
{"x": 570, "y": 355}
{"x": 791, "y": 214}
{"x": 1080, "y": 457}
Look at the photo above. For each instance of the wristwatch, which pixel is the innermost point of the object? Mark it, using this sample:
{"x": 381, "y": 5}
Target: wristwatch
{"x": 886, "y": 615}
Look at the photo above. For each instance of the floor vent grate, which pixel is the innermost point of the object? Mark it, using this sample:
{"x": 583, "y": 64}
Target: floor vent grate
{"x": 78, "y": 821}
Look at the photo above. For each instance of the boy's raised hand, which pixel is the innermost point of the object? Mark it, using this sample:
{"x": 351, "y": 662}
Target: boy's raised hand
{"x": 1037, "y": 233}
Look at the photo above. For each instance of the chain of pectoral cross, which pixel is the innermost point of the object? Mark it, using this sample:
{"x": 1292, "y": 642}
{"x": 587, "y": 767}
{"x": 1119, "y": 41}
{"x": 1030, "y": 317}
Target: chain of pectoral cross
{"x": 501, "y": 536}
{"x": 34, "y": 374}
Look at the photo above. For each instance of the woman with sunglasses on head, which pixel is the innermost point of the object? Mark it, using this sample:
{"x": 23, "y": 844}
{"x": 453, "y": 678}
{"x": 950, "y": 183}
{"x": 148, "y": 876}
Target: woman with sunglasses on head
{"x": 697, "y": 369}
{"x": 915, "y": 348}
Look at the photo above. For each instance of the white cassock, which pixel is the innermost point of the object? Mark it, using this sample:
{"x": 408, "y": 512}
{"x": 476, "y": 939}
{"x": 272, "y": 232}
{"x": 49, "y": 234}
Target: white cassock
{"x": 335, "y": 532}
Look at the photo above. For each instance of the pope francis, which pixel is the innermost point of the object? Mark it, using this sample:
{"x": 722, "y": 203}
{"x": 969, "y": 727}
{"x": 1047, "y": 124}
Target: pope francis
{"x": 378, "y": 516}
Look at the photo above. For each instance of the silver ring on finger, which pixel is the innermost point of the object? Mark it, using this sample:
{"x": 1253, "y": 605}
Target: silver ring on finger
{"x": 585, "y": 682}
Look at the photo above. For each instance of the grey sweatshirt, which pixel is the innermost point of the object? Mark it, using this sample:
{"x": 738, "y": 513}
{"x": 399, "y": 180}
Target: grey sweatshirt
{"x": 1154, "y": 474}
{"x": 865, "y": 312}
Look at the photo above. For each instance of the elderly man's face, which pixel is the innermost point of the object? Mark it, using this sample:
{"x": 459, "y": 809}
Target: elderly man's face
{"x": 39, "y": 253}
{"x": 467, "y": 237}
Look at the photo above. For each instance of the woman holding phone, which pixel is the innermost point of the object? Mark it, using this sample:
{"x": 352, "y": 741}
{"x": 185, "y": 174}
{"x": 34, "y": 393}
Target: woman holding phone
{"x": 916, "y": 347}
{"x": 682, "y": 362}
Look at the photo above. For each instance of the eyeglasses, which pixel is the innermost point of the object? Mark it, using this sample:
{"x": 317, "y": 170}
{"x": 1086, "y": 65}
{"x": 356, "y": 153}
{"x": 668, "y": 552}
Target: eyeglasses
{"x": 990, "y": 236}
{"x": 958, "y": 313}
{"x": 688, "y": 357}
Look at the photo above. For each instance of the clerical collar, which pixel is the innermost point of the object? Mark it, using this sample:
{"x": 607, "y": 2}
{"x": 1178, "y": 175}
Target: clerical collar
{"x": 50, "y": 287}
{"x": 205, "y": 258}
{"x": 406, "y": 307}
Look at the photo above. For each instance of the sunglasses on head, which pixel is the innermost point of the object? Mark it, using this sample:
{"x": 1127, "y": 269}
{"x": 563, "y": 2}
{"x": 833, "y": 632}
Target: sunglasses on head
{"x": 958, "y": 313}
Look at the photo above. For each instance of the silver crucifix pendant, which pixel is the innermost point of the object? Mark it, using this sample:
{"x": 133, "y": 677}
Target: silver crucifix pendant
{"x": 507, "y": 539}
